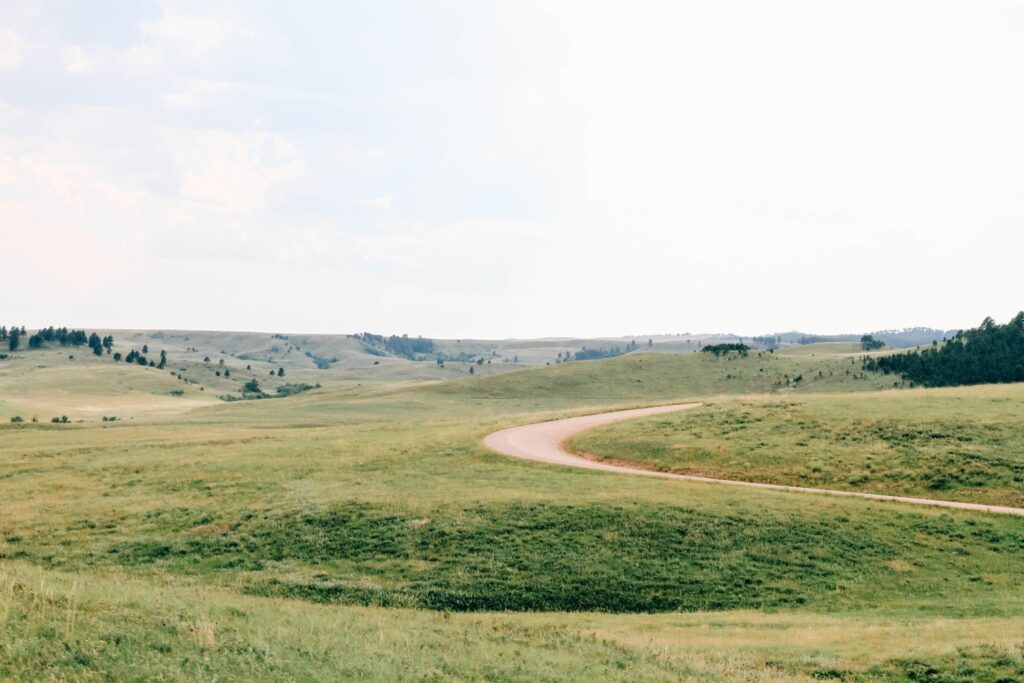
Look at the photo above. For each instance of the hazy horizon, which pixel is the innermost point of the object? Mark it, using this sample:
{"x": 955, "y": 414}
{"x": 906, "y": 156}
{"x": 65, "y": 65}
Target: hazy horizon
{"x": 496, "y": 170}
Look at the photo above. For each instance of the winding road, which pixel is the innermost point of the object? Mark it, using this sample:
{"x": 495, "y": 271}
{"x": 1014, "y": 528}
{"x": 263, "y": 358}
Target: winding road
{"x": 544, "y": 442}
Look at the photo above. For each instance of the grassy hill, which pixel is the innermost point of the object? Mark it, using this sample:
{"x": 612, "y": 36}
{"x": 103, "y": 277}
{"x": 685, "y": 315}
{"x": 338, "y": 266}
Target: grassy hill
{"x": 956, "y": 444}
{"x": 361, "y": 531}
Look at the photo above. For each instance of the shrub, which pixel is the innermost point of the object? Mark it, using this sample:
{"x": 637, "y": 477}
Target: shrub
{"x": 17, "y": 418}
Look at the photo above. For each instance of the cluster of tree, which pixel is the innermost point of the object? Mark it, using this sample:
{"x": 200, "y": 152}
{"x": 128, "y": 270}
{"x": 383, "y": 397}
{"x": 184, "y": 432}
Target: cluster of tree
{"x": 292, "y": 389}
{"x": 869, "y": 343}
{"x": 370, "y": 338}
{"x": 134, "y": 356}
{"x": 12, "y": 336}
{"x": 595, "y": 354}
{"x": 99, "y": 345}
{"x": 413, "y": 348}
{"x": 408, "y": 347}
{"x": 722, "y": 349}
{"x": 320, "y": 363}
{"x": 61, "y": 335}
{"x": 990, "y": 353}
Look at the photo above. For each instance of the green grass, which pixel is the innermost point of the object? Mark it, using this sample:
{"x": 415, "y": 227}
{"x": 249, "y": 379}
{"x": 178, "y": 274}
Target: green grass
{"x": 107, "y": 626}
{"x": 364, "y": 533}
{"x": 958, "y": 444}
{"x": 650, "y": 377}
{"x": 550, "y": 557}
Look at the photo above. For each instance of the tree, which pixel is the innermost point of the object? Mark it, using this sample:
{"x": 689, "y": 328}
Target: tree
{"x": 725, "y": 349}
{"x": 14, "y": 339}
{"x": 163, "y": 359}
{"x": 650, "y": 343}
{"x": 117, "y": 356}
{"x": 35, "y": 341}
{"x": 252, "y": 387}
{"x": 988, "y": 354}
{"x": 869, "y": 343}
{"x": 145, "y": 348}
{"x": 472, "y": 370}
{"x": 227, "y": 372}
{"x": 280, "y": 372}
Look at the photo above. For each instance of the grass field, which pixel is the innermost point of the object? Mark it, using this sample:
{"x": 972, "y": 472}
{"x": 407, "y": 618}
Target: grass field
{"x": 957, "y": 444}
{"x": 361, "y": 531}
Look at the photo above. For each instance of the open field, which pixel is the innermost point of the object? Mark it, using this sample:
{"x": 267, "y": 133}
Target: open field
{"x": 362, "y": 531}
{"x": 957, "y": 444}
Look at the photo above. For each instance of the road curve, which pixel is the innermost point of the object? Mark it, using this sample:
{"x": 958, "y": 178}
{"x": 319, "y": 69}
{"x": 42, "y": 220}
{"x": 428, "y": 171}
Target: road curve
{"x": 544, "y": 441}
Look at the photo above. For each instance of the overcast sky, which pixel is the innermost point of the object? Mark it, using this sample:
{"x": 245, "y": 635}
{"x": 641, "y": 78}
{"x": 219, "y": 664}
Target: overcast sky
{"x": 497, "y": 169}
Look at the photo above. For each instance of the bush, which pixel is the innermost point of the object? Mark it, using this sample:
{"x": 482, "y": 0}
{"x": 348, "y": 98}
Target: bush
{"x": 292, "y": 389}
{"x": 722, "y": 349}
{"x": 17, "y": 418}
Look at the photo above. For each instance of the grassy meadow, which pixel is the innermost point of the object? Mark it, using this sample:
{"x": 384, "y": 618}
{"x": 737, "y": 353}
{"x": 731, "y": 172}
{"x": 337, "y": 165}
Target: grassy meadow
{"x": 361, "y": 531}
{"x": 964, "y": 444}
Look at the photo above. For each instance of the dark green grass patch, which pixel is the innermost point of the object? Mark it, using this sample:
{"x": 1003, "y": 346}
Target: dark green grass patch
{"x": 627, "y": 558}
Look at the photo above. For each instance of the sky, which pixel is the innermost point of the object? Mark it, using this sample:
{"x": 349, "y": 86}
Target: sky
{"x": 511, "y": 169}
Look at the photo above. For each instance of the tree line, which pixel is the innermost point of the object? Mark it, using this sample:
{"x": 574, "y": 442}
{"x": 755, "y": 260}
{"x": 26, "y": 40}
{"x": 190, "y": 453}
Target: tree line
{"x": 61, "y": 335}
{"x": 412, "y": 348}
{"x": 722, "y": 349}
{"x": 990, "y": 353}
{"x": 596, "y": 354}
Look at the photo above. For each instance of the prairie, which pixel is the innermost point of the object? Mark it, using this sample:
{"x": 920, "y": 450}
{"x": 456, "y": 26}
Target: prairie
{"x": 359, "y": 530}
{"x": 964, "y": 443}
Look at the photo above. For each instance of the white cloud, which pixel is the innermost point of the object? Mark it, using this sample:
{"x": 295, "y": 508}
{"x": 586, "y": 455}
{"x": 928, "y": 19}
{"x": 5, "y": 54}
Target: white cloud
{"x": 78, "y": 61}
{"x": 192, "y": 36}
{"x": 12, "y": 49}
{"x": 662, "y": 165}
{"x": 234, "y": 172}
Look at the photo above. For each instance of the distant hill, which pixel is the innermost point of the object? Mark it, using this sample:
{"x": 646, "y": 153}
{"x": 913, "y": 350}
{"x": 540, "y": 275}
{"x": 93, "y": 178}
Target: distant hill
{"x": 901, "y": 339}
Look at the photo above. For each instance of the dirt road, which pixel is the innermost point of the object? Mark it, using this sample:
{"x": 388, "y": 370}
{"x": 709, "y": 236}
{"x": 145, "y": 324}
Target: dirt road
{"x": 544, "y": 442}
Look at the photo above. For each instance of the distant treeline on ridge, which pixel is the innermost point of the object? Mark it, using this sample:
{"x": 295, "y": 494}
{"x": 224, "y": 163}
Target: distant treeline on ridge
{"x": 404, "y": 346}
{"x": 905, "y": 338}
{"x": 990, "y": 353}
{"x": 721, "y": 349}
{"x": 61, "y": 335}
